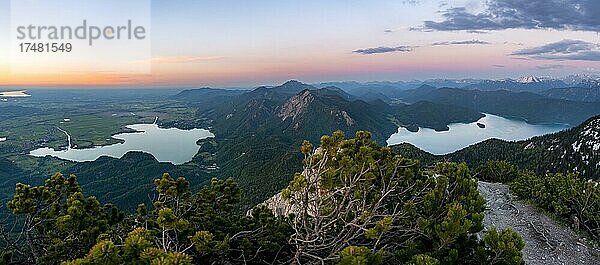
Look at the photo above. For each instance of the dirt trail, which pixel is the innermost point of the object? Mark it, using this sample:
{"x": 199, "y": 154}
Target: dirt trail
{"x": 546, "y": 241}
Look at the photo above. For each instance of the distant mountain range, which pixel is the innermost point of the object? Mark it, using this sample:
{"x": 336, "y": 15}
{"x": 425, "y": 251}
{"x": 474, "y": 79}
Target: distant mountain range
{"x": 585, "y": 81}
{"x": 585, "y": 94}
{"x": 534, "y": 99}
{"x": 528, "y": 83}
{"x": 307, "y": 111}
{"x": 569, "y": 100}
{"x": 523, "y": 84}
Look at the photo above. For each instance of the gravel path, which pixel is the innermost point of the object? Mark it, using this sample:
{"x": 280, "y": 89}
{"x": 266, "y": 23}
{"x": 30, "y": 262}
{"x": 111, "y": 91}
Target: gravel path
{"x": 546, "y": 241}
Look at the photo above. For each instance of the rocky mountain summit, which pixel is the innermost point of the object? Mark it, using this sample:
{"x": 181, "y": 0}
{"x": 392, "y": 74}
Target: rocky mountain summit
{"x": 296, "y": 105}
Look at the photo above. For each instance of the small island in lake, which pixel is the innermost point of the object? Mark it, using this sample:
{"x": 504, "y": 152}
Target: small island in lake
{"x": 481, "y": 125}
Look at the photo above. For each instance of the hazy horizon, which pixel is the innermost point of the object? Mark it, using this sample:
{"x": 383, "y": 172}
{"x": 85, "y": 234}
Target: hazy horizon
{"x": 273, "y": 84}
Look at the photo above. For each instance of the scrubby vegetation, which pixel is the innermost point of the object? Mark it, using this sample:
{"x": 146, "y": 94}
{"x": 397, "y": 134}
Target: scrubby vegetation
{"x": 356, "y": 204}
{"x": 355, "y": 194}
{"x": 568, "y": 196}
{"x": 497, "y": 171}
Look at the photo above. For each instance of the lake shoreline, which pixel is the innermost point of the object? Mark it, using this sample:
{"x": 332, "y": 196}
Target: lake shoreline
{"x": 462, "y": 135}
{"x": 166, "y": 145}
{"x": 123, "y": 130}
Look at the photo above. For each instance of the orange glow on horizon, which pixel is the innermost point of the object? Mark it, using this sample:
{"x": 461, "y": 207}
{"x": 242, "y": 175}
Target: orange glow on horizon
{"x": 264, "y": 70}
{"x": 66, "y": 79}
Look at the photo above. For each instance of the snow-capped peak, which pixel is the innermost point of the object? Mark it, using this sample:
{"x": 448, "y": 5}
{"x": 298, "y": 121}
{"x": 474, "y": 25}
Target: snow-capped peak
{"x": 528, "y": 79}
{"x": 582, "y": 80}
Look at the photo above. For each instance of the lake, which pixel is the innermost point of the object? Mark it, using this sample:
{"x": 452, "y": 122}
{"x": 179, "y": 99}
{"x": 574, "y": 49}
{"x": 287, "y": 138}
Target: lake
{"x": 15, "y": 94}
{"x": 166, "y": 145}
{"x": 462, "y": 135}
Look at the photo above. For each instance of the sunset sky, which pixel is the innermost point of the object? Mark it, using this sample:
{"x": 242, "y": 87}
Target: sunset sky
{"x": 249, "y": 43}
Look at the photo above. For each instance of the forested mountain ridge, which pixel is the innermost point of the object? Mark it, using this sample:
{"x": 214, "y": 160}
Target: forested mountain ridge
{"x": 242, "y": 113}
{"x": 266, "y": 110}
{"x": 585, "y": 94}
{"x": 534, "y": 108}
{"x": 127, "y": 181}
{"x": 433, "y": 115}
{"x": 573, "y": 150}
{"x": 255, "y": 111}
{"x": 309, "y": 113}
{"x": 206, "y": 94}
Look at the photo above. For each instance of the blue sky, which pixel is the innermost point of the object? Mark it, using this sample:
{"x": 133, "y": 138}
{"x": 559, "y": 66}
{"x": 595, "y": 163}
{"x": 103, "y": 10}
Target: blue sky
{"x": 245, "y": 43}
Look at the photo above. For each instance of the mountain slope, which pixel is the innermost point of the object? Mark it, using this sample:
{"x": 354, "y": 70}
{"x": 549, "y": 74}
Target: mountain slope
{"x": 259, "y": 132}
{"x": 311, "y": 113}
{"x": 10, "y": 175}
{"x": 585, "y": 94}
{"x": 433, "y": 115}
{"x": 130, "y": 180}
